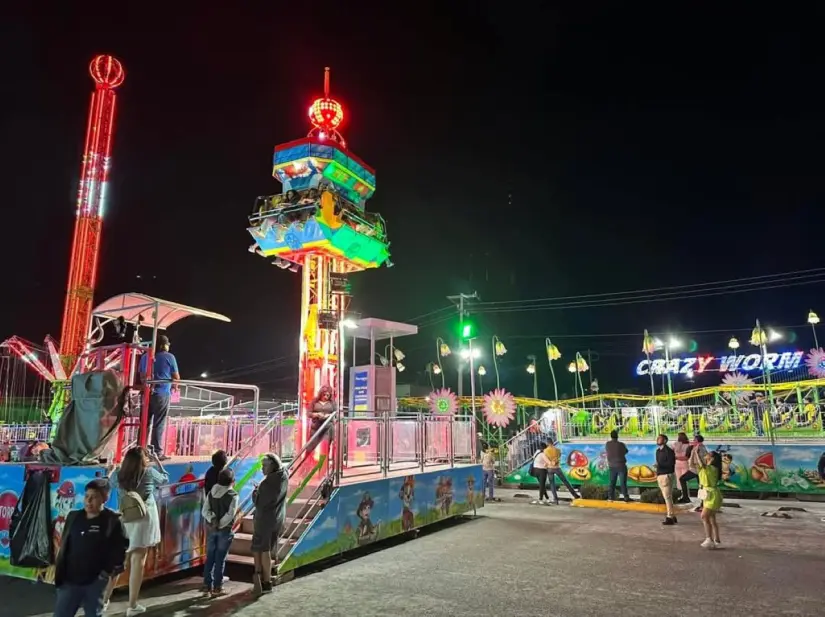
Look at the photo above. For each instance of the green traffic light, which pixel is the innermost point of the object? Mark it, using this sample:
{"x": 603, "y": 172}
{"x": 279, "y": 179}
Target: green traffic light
{"x": 468, "y": 331}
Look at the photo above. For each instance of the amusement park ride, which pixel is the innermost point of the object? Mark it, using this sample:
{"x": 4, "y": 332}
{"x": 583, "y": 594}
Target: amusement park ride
{"x": 389, "y": 472}
{"x": 60, "y": 359}
{"x": 319, "y": 227}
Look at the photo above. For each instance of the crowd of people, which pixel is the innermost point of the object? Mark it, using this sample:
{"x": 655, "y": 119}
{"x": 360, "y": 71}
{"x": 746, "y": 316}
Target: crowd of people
{"x": 681, "y": 463}
{"x": 99, "y": 544}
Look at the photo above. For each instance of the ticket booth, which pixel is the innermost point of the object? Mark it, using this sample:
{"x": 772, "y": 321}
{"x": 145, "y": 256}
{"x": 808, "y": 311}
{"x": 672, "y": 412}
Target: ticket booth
{"x": 372, "y": 386}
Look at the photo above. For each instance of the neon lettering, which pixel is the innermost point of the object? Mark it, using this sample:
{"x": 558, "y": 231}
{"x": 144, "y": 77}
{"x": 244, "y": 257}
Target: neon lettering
{"x": 703, "y": 363}
{"x": 688, "y": 365}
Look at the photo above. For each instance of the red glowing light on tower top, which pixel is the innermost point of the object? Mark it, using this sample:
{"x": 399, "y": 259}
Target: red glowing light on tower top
{"x": 326, "y": 114}
{"x": 107, "y": 71}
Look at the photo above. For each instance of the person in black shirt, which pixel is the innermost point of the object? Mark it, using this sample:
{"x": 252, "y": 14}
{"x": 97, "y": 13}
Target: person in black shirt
{"x": 210, "y": 479}
{"x": 92, "y": 551}
{"x": 665, "y": 468}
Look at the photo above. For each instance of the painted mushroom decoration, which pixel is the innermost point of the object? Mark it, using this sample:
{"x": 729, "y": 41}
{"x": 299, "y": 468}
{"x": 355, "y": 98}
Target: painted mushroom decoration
{"x": 643, "y": 474}
{"x": 762, "y": 468}
{"x": 579, "y": 465}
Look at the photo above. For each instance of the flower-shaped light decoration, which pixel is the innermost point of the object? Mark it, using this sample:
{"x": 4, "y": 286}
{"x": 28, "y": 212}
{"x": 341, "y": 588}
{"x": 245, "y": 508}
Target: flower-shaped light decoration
{"x": 738, "y": 380}
{"x": 758, "y": 337}
{"x": 553, "y": 352}
{"x": 500, "y": 349}
{"x": 648, "y": 344}
{"x": 816, "y": 363}
{"x": 499, "y": 407}
{"x": 581, "y": 365}
{"x": 443, "y": 402}
{"x": 444, "y": 350}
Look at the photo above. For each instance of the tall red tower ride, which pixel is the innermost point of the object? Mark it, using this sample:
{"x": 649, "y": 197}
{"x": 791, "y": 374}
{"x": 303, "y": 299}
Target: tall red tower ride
{"x": 108, "y": 74}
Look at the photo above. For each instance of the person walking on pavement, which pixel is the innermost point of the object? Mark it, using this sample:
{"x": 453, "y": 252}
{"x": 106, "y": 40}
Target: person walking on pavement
{"x": 617, "y": 464}
{"x": 682, "y": 449}
{"x": 665, "y": 467}
{"x": 553, "y": 455}
{"x": 488, "y": 468}
{"x": 692, "y": 472}
{"x": 165, "y": 367}
{"x": 539, "y": 471}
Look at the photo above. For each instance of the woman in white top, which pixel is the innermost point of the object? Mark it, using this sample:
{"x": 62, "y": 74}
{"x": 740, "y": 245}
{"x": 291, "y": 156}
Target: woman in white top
{"x": 540, "y": 466}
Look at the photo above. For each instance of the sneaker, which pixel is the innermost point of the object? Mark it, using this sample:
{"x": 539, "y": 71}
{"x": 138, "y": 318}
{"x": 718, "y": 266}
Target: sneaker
{"x": 708, "y": 543}
{"x": 137, "y": 609}
{"x": 628, "y": 500}
{"x": 718, "y": 543}
{"x": 205, "y": 589}
{"x": 218, "y": 591}
{"x": 537, "y": 502}
{"x": 669, "y": 521}
{"x": 697, "y": 508}
{"x": 266, "y": 587}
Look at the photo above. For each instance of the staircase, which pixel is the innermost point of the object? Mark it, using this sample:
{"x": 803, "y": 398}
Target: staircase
{"x": 305, "y": 499}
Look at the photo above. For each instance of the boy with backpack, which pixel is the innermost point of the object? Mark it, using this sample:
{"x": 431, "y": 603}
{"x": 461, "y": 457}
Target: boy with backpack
{"x": 219, "y": 509}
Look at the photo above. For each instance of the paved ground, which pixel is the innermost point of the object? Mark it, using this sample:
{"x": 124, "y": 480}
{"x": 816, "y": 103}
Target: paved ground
{"x": 518, "y": 559}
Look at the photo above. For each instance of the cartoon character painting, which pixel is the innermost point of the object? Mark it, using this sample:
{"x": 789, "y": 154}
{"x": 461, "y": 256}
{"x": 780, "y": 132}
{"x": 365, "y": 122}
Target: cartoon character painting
{"x": 444, "y": 494}
{"x": 64, "y": 503}
{"x": 471, "y": 493}
{"x": 407, "y": 495}
{"x": 367, "y": 532}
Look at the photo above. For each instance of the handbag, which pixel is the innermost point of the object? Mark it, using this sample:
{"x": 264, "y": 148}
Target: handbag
{"x": 133, "y": 506}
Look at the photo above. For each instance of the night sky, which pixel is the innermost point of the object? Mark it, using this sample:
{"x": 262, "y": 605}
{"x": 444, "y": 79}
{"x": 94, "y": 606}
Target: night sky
{"x": 522, "y": 151}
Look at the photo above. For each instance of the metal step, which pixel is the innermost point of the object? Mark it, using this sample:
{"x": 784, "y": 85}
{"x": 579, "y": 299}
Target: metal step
{"x": 242, "y": 543}
{"x": 293, "y": 527}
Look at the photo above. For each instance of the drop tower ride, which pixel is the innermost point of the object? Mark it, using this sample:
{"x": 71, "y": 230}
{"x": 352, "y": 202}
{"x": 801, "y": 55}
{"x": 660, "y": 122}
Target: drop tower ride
{"x": 319, "y": 227}
{"x": 108, "y": 74}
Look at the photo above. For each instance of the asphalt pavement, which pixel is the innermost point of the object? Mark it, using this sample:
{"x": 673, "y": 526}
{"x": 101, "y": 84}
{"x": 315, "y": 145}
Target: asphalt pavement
{"x": 520, "y": 559}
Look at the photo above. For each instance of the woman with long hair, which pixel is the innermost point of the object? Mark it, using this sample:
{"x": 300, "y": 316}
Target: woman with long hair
{"x": 136, "y": 473}
{"x": 682, "y": 450}
{"x": 269, "y": 498}
{"x": 710, "y": 494}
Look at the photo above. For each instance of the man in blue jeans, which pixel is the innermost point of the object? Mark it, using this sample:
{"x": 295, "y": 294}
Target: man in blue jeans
{"x": 617, "y": 463}
{"x": 164, "y": 368}
{"x": 92, "y": 550}
{"x": 219, "y": 509}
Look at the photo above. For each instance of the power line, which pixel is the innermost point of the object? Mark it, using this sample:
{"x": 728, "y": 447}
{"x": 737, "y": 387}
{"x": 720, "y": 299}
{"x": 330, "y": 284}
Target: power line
{"x": 441, "y": 310}
{"x": 642, "y": 300}
{"x": 633, "y": 334}
{"x": 694, "y": 286}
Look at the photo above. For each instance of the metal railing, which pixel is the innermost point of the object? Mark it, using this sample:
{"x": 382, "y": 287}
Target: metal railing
{"x": 776, "y": 422}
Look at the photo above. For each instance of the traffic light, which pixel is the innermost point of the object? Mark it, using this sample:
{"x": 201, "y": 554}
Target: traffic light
{"x": 468, "y": 330}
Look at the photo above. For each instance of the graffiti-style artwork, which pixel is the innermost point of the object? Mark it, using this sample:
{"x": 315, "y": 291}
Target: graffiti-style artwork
{"x": 791, "y": 468}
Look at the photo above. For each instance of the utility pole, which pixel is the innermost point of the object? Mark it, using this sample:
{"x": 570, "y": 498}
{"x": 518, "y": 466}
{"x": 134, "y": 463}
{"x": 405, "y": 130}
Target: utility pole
{"x": 459, "y": 302}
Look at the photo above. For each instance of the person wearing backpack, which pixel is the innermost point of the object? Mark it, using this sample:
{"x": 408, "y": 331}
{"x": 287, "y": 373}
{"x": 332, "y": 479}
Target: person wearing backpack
{"x": 136, "y": 481}
{"x": 92, "y": 551}
{"x": 219, "y": 509}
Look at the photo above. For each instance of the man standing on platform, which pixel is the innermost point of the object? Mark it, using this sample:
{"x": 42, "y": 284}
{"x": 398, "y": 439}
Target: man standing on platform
{"x": 165, "y": 368}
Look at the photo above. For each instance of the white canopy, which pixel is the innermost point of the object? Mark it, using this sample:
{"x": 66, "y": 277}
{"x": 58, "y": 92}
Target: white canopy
{"x": 132, "y": 305}
{"x": 380, "y": 329}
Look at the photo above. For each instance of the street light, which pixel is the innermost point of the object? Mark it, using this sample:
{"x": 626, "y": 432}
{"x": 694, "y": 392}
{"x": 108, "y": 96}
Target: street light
{"x": 204, "y": 375}
{"x": 481, "y": 373}
{"x": 760, "y": 338}
{"x": 813, "y": 319}
{"x": 672, "y": 343}
{"x": 733, "y": 343}
{"x": 531, "y": 368}
{"x": 466, "y": 353}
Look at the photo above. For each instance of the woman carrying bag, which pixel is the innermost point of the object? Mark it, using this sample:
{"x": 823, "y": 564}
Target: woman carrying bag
{"x": 136, "y": 481}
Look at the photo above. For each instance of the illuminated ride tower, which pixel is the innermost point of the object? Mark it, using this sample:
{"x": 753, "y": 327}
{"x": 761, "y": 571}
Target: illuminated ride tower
{"x": 108, "y": 74}
{"x": 52, "y": 365}
{"x": 319, "y": 226}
